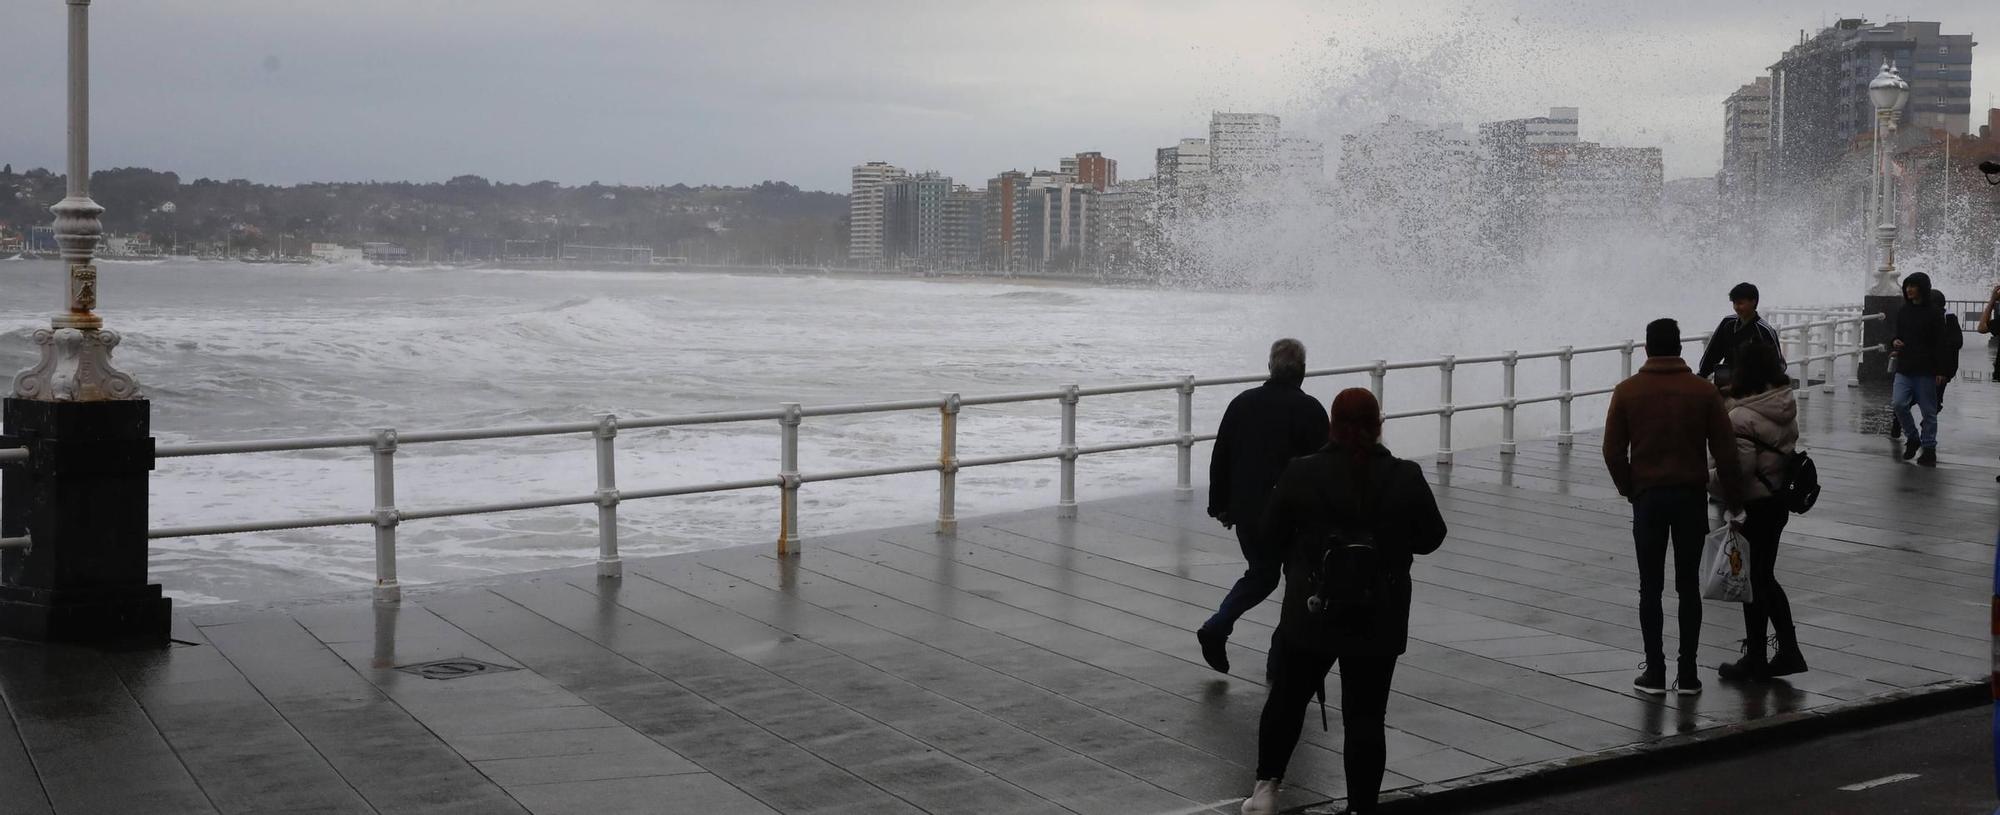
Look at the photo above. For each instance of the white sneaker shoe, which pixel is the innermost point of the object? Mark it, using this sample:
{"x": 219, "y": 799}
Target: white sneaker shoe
{"x": 1263, "y": 800}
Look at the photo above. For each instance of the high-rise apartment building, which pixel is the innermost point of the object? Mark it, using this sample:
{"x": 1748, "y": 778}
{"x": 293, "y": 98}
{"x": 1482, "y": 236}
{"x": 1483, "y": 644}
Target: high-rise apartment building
{"x": 866, "y": 211}
{"x": 1052, "y": 222}
{"x": 1182, "y": 176}
{"x": 1302, "y": 158}
{"x": 962, "y": 230}
{"x": 1093, "y": 170}
{"x": 1005, "y": 195}
{"x": 1243, "y": 144}
{"x": 1126, "y": 227}
{"x": 913, "y": 218}
{"x": 1819, "y": 90}
{"x": 1559, "y": 127}
{"x": 1746, "y": 143}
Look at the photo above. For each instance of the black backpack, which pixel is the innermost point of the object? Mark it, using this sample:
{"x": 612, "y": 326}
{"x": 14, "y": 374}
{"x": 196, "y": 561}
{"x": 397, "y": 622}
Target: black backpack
{"x": 1799, "y": 488}
{"x": 1349, "y": 577}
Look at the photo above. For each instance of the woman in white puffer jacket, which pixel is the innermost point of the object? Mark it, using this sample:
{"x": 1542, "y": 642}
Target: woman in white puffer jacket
{"x": 1765, "y": 419}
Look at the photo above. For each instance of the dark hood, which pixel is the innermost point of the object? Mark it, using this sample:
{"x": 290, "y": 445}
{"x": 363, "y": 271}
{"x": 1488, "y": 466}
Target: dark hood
{"x": 1937, "y": 299}
{"x": 1922, "y": 282}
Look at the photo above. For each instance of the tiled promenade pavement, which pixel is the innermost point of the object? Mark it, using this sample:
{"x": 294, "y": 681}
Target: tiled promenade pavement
{"x": 1031, "y": 665}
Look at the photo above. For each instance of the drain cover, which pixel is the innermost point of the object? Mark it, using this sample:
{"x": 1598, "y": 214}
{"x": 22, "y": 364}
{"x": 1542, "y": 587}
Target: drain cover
{"x": 455, "y": 668}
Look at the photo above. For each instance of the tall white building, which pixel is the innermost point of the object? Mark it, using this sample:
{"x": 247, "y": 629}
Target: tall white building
{"x": 1182, "y": 174}
{"x": 1243, "y": 143}
{"x": 1302, "y": 158}
{"x": 866, "y": 211}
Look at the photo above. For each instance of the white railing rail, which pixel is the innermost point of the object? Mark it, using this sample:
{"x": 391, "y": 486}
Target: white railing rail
{"x": 1835, "y": 336}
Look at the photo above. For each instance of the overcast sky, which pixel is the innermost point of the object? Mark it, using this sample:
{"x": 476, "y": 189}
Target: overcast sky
{"x": 738, "y": 91}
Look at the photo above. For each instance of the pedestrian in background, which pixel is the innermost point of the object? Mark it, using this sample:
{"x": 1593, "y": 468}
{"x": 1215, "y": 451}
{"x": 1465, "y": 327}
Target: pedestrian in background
{"x": 1351, "y": 519}
{"x": 1765, "y": 419}
{"x": 1743, "y": 326}
{"x": 1663, "y": 425}
{"x": 1263, "y": 429}
{"x": 1917, "y": 350}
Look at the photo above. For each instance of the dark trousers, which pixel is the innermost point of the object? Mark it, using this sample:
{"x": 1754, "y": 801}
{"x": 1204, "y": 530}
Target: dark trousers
{"x": 1364, "y": 703}
{"x": 1763, "y": 522}
{"x": 1258, "y": 581}
{"x": 1676, "y": 516}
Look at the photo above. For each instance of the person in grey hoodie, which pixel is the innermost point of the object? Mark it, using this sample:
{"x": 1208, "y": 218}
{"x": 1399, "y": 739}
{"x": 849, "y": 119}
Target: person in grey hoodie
{"x": 1765, "y": 419}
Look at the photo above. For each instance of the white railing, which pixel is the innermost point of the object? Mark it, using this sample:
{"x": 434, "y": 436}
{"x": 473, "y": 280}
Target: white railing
{"x": 1814, "y": 342}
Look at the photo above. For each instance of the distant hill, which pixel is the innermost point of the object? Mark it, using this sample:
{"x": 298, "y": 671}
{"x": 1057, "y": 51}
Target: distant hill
{"x": 467, "y": 217}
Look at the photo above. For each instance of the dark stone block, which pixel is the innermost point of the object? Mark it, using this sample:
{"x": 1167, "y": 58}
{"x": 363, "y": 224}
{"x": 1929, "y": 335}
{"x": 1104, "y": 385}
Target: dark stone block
{"x": 82, "y": 499}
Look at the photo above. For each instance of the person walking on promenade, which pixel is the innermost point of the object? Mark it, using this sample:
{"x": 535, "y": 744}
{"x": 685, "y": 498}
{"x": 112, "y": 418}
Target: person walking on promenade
{"x": 1951, "y": 340}
{"x": 1765, "y": 419}
{"x": 1263, "y": 429}
{"x": 1986, "y": 326}
{"x": 1660, "y": 422}
{"x": 1745, "y": 325}
{"x": 1350, "y": 519}
{"x": 1916, "y": 350}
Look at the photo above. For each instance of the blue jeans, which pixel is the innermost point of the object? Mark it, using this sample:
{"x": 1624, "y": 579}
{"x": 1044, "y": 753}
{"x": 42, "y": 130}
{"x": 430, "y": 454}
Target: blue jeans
{"x": 1922, "y": 391}
{"x": 1257, "y": 582}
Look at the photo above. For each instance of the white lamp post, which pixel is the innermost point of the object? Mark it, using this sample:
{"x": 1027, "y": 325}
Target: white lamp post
{"x": 75, "y": 349}
{"x": 1889, "y": 93}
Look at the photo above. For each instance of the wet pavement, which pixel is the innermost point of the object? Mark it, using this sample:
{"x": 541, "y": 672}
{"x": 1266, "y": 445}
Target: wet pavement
{"x": 1029, "y": 665}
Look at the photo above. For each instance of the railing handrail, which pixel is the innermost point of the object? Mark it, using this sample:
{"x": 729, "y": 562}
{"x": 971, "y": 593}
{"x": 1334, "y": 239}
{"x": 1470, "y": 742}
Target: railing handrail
{"x": 384, "y": 442}
{"x": 190, "y": 449}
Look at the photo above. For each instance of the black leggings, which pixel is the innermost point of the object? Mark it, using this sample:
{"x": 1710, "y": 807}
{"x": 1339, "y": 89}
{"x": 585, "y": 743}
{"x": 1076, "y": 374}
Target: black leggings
{"x": 1763, "y": 522}
{"x": 1364, "y": 702}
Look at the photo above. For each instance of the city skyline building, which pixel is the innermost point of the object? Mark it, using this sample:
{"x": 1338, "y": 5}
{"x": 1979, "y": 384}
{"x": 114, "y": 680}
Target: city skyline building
{"x": 1094, "y": 170}
{"x": 1243, "y": 144}
{"x": 913, "y": 215}
{"x": 1746, "y": 144}
{"x": 1819, "y": 91}
{"x": 962, "y": 227}
{"x": 866, "y": 210}
{"x": 1005, "y": 194}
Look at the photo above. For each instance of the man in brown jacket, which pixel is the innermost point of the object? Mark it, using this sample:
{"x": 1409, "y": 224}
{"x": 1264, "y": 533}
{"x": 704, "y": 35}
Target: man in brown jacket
{"x": 1663, "y": 425}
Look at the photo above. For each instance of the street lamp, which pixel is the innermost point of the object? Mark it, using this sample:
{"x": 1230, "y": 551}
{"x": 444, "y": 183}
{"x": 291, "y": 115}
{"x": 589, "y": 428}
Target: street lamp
{"x": 1889, "y": 93}
{"x": 79, "y": 501}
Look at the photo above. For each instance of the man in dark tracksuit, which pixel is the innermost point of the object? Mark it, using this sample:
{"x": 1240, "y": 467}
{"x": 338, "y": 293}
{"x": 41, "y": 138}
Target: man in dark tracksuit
{"x": 1262, "y": 431}
{"x": 1736, "y": 329}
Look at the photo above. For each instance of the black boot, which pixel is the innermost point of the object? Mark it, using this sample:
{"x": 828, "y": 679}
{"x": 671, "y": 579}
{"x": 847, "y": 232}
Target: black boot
{"x": 1751, "y": 667}
{"x": 1212, "y": 648}
{"x": 1910, "y": 449}
{"x": 1788, "y": 660}
{"x": 1928, "y": 458}
{"x": 1895, "y": 429}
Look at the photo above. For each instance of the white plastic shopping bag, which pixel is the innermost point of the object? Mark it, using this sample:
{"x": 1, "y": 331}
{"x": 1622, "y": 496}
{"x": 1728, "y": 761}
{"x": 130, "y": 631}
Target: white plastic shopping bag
{"x": 1725, "y": 566}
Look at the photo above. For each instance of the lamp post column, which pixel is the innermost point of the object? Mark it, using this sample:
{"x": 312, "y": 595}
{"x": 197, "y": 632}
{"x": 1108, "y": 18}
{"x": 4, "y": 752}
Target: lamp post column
{"x": 1888, "y": 92}
{"x": 80, "y": 498}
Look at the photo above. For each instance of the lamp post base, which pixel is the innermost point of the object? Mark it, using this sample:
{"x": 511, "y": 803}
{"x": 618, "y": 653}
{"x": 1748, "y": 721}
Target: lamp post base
{"x": 80, "y": 499}
{"x": 1874, "y": 365}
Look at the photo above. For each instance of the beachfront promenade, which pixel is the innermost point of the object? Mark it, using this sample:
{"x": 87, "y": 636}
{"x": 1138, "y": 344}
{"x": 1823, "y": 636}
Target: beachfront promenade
{"x": 1027, "y": 665}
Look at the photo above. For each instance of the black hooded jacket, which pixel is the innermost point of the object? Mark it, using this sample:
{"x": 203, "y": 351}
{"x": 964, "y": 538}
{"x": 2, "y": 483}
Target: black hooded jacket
{"x": 1920, "y": 326}
{"x": 1318, "y": 495}
{"x": 1263, "y": 429}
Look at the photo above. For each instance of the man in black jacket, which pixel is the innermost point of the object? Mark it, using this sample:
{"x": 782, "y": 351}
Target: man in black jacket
{"x": 1918, "y": 349}
{"x": 1262, "y": 431}
{"x": 1735, "y": 330}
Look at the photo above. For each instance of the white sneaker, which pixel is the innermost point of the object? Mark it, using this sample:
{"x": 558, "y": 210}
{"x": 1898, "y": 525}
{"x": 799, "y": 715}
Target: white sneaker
{"x": 1263, "y": 800}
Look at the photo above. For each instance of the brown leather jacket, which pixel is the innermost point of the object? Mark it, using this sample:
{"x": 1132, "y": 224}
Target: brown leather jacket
{"x": 1663, "y": 425}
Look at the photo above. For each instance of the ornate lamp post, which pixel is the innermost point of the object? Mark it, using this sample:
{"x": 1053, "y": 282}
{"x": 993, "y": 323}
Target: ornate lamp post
{"x": 1888, "y": 92}
{"x": 80, "y": 498}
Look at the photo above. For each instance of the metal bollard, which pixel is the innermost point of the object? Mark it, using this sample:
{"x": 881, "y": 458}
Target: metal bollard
{"x": 387, "y": 591}
{"x": 1564, "y": 436}
{"x": 788, "y": 475}
{"x": 1507, "y": 370}
{"x": 947, "y": 520}
{"x": 1184, "y": 454}
{"x": 609, "y": 566}
{"x": 1855, "y": 335}
{"x": 1804, "y": 347}
{"x": 1445, "y": 408}
{"x": 1066, "y": 502}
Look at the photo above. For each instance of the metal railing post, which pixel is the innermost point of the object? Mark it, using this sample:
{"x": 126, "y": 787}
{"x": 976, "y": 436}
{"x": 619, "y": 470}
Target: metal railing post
{"x": 788, "y": 476}
{"x": 1445, "y": 408}
{"x": 1625, "y": 360}
{"x": 947, "y": 519}
{"x": 1507, "y": 392}
{"x": 1375, "y": 381}
{"x": 1804, "y": 346}
{"x": 1832, "y": 352}
{"x": 1855, "y": 334}
{"x": 1066, "y": 501}
{"x": 1184, "y": 449}
{"x": 609, "y": 566}
{"x": 1564, "y": 436}
{"x": 387, "y": 591}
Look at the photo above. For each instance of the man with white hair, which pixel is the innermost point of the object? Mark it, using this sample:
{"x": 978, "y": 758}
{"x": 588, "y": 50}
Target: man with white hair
{"x": 1262, "y": 431}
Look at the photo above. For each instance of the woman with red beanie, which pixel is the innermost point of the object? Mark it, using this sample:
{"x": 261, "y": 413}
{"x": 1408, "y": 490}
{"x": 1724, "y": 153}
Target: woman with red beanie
{"x": 1352, "y": 518}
